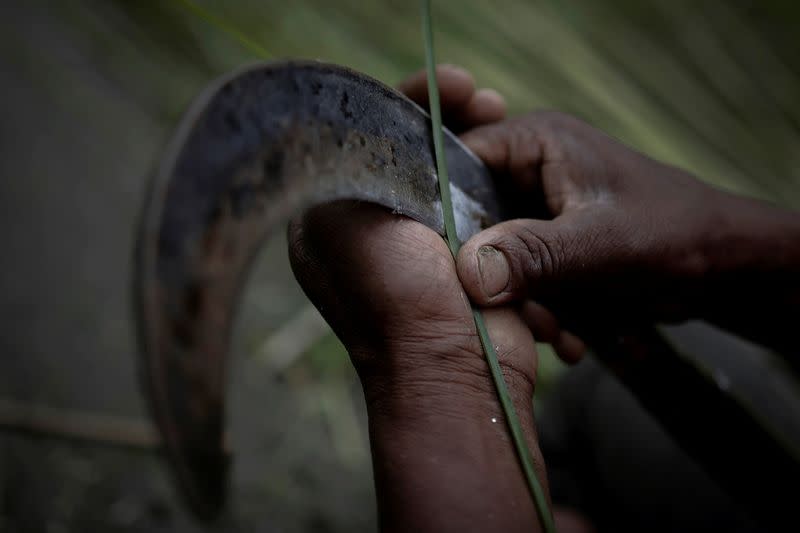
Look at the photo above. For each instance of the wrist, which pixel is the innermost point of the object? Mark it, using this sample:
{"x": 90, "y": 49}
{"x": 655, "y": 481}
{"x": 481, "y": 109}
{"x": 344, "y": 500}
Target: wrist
{"x": 442, "y": 455}
{"x": 749, "y": 236}
{"x": 415, "y": 383}
{"x": 753, "y": 258}
{"x": 444, "y": 358}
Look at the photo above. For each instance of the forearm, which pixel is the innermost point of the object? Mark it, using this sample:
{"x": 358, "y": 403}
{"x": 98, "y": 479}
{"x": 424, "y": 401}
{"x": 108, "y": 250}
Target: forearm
{"x": 754, "y": 258}
{"x": 442, "y": 456}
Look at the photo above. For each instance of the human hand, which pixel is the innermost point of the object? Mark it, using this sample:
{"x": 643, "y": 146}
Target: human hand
{"x": 464, "y": 109}
{"x": 388, "y": 287}
{"x": 620, "y": 240}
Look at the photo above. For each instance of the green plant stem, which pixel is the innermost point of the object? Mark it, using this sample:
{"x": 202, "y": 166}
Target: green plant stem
{"x": 524, "y": 454}
{"x": 438, "y": 138}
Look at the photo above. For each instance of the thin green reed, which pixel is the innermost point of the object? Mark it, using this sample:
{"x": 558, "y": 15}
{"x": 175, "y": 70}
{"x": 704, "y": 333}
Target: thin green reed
{"x": 524, "y": 454}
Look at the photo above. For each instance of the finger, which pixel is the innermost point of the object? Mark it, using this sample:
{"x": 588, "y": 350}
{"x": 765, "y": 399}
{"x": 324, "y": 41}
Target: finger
{"x": 456, "y": 87}
{"x": 545, "y": 328}
{"x": 462, "y": 106}
{"x": 509, "y": 148}
{"x": 542, "y": 323}
{"x": 519, "y": 361}
{"x": 526, "y": 258}
{"x": 569, "y": 347}
{"x": 485, "y": 107}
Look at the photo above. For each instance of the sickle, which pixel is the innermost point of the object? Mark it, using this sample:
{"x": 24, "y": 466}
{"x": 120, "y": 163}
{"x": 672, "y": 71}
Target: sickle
{"x": 272, "y": 140}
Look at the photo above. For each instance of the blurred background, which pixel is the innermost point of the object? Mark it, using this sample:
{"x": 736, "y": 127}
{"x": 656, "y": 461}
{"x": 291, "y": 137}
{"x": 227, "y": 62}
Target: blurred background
{"x": 91, "y": 90}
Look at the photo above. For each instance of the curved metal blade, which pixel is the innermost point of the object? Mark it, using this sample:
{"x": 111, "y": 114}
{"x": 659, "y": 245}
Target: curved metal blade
{"x": 256, "y": 148}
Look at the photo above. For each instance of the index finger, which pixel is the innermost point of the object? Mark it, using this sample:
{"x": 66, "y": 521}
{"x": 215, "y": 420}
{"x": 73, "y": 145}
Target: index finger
{"x": 463, "y": 107}
{"x": 456, "y": 87}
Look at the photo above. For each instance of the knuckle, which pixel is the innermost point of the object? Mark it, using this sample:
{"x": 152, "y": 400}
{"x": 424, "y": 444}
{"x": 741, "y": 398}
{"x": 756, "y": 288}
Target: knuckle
{"x": 543, "y": 253}
{"x": 546, "y": 115}
{"x": 549, "y": 119}
{"x": 524, "y": 148}
{"x": 519, "y": 370}
{"x": 548, "y": 129}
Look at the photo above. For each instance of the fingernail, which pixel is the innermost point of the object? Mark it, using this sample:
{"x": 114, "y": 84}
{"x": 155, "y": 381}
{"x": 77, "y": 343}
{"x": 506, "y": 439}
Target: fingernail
{"x": 494, "y": 270}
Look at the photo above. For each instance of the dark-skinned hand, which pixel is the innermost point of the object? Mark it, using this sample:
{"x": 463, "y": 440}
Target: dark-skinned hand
{"x": 387, "y": 285}
{"x": 609, "y": 239}
{"x": 620, "y": 240}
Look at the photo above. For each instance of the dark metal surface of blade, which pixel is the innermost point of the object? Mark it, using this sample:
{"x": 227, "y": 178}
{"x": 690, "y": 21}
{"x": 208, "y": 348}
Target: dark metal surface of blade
{"x": 259, "y": 146}
{"x": 270, "y": 141}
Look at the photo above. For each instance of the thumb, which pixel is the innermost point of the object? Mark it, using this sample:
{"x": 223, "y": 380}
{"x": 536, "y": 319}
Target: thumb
{"x": 518, "y": 259}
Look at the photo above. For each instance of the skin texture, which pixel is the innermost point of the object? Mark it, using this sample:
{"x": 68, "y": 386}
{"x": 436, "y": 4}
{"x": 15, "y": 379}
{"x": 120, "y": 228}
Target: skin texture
{"x": 388, "y": 287}
{"x": 622, "y": 239}
{"x": 610, "y": 237}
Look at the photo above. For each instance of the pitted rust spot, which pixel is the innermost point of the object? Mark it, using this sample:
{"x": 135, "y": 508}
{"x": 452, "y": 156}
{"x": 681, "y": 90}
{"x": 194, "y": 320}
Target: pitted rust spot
{"x": 343, "y": 106}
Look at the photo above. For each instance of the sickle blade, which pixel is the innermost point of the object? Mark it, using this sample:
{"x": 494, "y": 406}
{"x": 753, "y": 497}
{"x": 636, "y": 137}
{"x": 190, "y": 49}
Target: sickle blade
{"x": 256, "y": 148}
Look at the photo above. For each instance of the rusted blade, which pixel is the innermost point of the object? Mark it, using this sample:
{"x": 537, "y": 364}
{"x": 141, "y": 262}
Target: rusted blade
{"x": 260, "y": 146}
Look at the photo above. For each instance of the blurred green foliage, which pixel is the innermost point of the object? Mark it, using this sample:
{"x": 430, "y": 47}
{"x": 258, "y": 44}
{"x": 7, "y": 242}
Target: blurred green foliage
{"x": 709, "y": 86}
